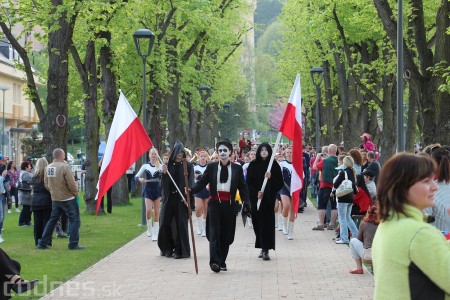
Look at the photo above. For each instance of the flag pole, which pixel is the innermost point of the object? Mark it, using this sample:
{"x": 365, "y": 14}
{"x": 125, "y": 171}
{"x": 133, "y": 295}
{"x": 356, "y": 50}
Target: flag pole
{"x": 275, "y": 148}
{"x": 186, "y": 182}
{"x": 173, "y": 181}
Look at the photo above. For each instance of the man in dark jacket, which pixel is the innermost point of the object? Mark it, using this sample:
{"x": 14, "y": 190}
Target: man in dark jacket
{"x": 224, "y": 179}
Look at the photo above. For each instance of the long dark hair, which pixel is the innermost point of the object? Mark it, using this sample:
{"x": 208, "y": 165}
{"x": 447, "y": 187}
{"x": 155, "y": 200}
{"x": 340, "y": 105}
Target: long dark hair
{"x": 360, "y": 182}
{"x": 398, "y": 174}
{"x": 8, "y": 167}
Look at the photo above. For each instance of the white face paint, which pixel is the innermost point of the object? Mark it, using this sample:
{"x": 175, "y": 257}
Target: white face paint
{"x": 264, "y": 152}
{"x": 224, "y": 152}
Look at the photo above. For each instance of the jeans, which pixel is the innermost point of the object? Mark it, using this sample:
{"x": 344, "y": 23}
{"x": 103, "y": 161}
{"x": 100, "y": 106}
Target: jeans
{"x": 2, "y": 211}
{"x": 345, "y": 221}
{"x": 72, "y": 211}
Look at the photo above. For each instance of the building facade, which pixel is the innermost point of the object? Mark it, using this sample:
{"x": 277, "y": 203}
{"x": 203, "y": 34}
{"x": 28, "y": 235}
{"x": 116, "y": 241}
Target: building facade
{"x": 18, "y": 115}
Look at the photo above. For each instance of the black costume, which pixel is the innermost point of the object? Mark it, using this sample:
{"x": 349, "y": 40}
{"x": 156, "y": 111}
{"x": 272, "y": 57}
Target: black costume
{"x": 264, "y": 218}
{"x": 8, "y": 268}
{"x": 221, "y": 219}
{"x": 174, "y": 209}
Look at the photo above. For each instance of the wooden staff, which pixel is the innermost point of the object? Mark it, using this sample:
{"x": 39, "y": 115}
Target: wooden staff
{"x": 188, "y": 200}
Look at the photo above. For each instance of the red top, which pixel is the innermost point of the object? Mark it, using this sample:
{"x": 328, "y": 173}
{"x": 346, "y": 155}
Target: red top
{"x": 322, "y": 183}
{"x": 244, "y": 145}
{"x": 362, "y": 200}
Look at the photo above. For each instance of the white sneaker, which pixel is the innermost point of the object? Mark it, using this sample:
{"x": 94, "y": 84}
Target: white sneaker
{"x": 204, "y": 231}
{"x": 1, "y": 239}
{"x": 9, "y": 211}
{"x": 17, "y": 210}
{"x": 155, "y": 236}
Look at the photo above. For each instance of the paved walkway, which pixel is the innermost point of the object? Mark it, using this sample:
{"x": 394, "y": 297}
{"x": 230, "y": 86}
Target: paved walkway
{"x": 311, "y": 266}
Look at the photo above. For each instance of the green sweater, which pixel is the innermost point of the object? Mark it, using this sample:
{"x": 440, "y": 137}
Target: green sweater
{"x": 411, "y": 259}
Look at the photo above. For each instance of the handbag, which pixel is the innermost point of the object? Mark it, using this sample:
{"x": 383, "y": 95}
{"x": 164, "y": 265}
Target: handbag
{"x": 345, "y": 188}
{"x": 23, "y": 186}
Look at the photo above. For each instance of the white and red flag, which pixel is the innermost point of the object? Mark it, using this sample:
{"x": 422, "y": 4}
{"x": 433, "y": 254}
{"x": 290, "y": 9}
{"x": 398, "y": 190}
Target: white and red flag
{"x": 127, "y": 141}
{"x": 291, "y": 127}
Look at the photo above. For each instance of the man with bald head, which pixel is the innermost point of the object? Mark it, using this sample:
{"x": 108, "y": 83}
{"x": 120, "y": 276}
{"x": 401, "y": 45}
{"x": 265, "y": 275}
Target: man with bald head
{"x": 59, "y": 180}
{"x": 327, "y": 166}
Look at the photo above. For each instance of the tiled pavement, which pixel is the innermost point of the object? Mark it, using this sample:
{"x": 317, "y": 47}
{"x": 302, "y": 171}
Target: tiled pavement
{"x": 311, "y": 266}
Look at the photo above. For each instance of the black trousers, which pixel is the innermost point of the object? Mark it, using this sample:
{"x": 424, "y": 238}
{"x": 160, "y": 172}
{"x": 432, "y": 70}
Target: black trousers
{"x": 108, "y": 201}
{"x": 41, "y": 218}
{"x": 220, "y": 230}
{"x": 25, "y": 215}
{"x": 8, "y": 268}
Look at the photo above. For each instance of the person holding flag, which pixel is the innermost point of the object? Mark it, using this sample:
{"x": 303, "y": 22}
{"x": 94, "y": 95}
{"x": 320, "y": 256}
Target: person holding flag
{"x": 264, "y": 217}
{"x": 291, "y": 128}
{"x": 173, "y": 207}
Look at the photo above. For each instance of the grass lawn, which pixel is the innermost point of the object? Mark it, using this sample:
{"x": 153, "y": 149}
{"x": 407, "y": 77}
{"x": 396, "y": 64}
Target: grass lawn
{"x": 101, "y": 235}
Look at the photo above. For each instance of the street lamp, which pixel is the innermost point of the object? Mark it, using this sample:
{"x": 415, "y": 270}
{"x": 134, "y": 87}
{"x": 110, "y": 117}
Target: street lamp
{"x": 141, "y": 38}
{"x": 237, "y": 118}
{"x": 4, "y": 88}
{"x": 205, "y": 92}
{"x": 316, "y": 77}
{"x": 226, "y": 107}
{"x": 400, "y": 111}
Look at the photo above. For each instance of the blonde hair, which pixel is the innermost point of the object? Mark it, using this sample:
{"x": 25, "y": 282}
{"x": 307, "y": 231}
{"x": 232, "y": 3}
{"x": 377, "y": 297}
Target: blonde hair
{"x": 39, "y": 169}
{"x": 348, "y": 162}
{"x": 157, "y": 164}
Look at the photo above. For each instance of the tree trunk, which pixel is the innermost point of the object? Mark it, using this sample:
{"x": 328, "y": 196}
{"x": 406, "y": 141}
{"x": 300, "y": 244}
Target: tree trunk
{"x": 388, "y": 108}
{"x": 435, "y": 105}
{"x": 110, "y": 99}
{"x": 54, "y": 125}
{"x": 91, "y": 132}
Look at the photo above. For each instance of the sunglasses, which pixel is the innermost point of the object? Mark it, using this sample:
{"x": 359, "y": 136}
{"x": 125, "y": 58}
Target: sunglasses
{"x": 223, "y": 150}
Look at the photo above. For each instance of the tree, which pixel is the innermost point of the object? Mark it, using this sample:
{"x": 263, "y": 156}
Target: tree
{"x": 59, "y": 16}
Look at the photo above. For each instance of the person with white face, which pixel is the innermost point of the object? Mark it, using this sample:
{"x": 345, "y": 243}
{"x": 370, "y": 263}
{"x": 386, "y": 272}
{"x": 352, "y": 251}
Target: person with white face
{"x": 224, "y": 179}
{"x": 264, "y": 218}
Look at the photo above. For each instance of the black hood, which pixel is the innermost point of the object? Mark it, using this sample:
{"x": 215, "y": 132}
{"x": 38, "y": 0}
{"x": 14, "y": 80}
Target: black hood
{"x": 177, "y": 148}
{"x": 258, "y": 152}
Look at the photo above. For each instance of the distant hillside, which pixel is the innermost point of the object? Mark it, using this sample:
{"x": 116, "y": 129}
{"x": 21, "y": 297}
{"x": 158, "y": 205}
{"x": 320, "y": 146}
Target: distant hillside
{"x": 266, "y": 12}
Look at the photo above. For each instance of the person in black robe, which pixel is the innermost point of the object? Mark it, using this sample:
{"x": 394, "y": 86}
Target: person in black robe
{"x": 10, "y": 279}
{"x": 173, "y": 208}
{"x": 224, "y": 179}
{"x": 264, "y": 218}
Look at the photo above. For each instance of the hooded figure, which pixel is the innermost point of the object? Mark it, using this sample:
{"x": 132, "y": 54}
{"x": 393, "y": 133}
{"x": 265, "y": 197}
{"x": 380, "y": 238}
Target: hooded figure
{"x": 264, "y": 218}
{"x": 173, "y": 231}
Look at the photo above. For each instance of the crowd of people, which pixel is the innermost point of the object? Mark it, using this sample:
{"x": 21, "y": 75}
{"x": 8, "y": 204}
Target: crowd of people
{"x": 398, "y": 210}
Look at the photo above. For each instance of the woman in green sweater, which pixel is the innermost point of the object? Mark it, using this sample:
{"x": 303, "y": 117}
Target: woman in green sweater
{"x": 411, "y": 258}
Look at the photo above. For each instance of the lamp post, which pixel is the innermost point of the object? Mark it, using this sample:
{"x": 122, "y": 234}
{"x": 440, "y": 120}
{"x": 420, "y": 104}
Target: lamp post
{"x": 141, "y": 38}
{"x": 226, "y": 107}
{"x": 205, "y": 92}
{"x": 400, "y": 114}
{"x": 4, "y": 88}
{"x": 316, "y": 77}
{"x": 237, "y": 117}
